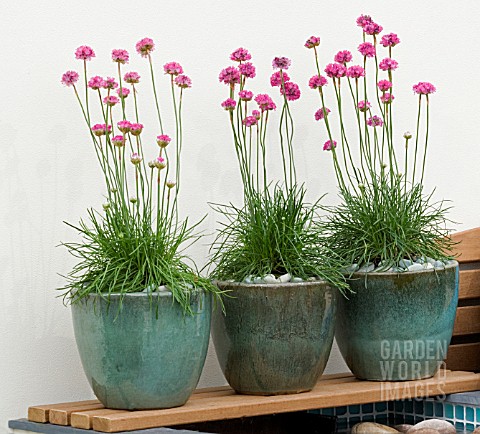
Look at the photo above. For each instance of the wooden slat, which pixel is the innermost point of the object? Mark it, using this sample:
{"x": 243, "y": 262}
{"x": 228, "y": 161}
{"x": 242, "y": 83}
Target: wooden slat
{"x": 61, "y": 416}
{"x": 467, "y": 321}
{"x": 466, "y": 356}
{"x": 40, "y": 413}
{"x": 327, "y": 393}
{"x": 469, "y": 284}
{"x": 468, "y": 248}
{"x": 83, "y": 419}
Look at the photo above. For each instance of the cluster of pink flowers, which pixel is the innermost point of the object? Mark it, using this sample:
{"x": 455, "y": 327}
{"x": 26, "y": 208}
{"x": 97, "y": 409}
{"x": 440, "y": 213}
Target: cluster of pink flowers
{"x": 120, "y": 56}
{"x": 281, "y": 63}
{"x": 390, "y": 40}
{"x": 118, "y": 141}
{"x": 109, "y": 83}
{"x": 136, "y": 129}
{"x": 247, "y": 69}
{"x": 387, "y": 98}
{"x": 364, "y": 106}
{"x": 160, "y": 163}
{"x": 229, "y": 104}
{"x": 111, "y": 100}
{"x": 344, "y": 56}
{"x": 388, "y": 64}
{"x": 240, "y": 55}
{"x": 384, "y": 85}
{"x": 132, "y": 77}
{"x": 367, "y": 49}
{"x": 312, "y": 41}
{"x": 101, "y": 129}
{"x": 374, "y": 121}
{"x": 124, "y": 126}
{"x": 84, "y": 52}
{"x": 335, "y": 70}
{"x": 321, "y": 113}
{"x": 123, "y": 92}
{"x": 183, "y": 81}
{"x": 163, "y": 140}
{"x": 372, "y": 28}
{"x": 69, "y": 78}
{"x": 95, "y": 82}
{"x": 145, "y": 46}
{"x": 264, "y": 102}
{"x": 230, "y": 75}
{"x": 424, "y": 88}
{"x": 291, "y": 91}
{"x": 276, "y": 78}
{"x": 250, "y": 121}
{"x": 173, "y": 68}
{"x": 256, "y": 114}
{"x": 317, "y": 81}
{"x": 355, "y": 71}
{"x": 363, "y": 20}
{"x": 245, "y": 95}
{"x": 329, "y": 145}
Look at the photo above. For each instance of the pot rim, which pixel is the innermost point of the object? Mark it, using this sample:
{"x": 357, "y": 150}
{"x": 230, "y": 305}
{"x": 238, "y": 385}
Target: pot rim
{"x": 286, "y": 285}
{"x": 374, "y": 274}
{"x": 114, "y": 295}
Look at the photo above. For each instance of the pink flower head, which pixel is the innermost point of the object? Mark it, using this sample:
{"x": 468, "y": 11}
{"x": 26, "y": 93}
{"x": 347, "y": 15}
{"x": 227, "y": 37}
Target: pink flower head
{"x": 110, "y": 100}
{"x": 95, "y": 83}
{"x": 317, "y": 81}
{"x": 120, "y": 56}
{"x": 355, "y": 71}
{"x": 123, "y": 92}
{"x": 390, "y": 40}
{"x": 387, "y": 98}
{"x": 101, "y": 129}
{"x": 136, "y": 159}
{"x": 163, "y": 140}
{"x": 329, "y": 145}
{"x": 256, "y": 114}
{"x": 374, "y": 121}
{"x": 335, "y": 70}
{"x": 312, "y": 41}
{"x": 384, "y": 85}
{"x": 424, "y": 88}
{"x": 321, "y": 113}
{"x": 124, "y": 126}
{"x": 367, "y": 49}
{"x": 173, "y": 68}
{"x": 131, "y": 77}
{"x": 276, "y": 78}
{"x": 245, "y": 95}
{"x": 265, "y": 102}
{"x": 183, "y": 81}
{"x": 84, "y": 52}
{"x": 363, "y": 20}
{"x": 229, "y": 75}
{"x": 281, "y": 63}
{"x": 372, "y": 28}
{"x": 250, "y": 121}
{"x": 118, "y": 141}
{"x": 229, "y": 104}
{"x": 343, "y": 56}
{"x": 70, "y": 78}
{"x": 247, "y": 69}
{"x": 363, "y": 106}
{"x": 136, "y": 129}
{"x": 109, "y": 83}
{"x": 240, "y": 55}
{"x": 388, "y": 64}
{"x": 160, "y": 163}
{"x": 292, "y": 91}
{"x": 145, "y": 46}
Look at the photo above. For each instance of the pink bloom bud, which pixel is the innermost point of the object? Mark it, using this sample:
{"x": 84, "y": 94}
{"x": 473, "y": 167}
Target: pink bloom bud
{"x": 101, "y": 129}
{"x": 124, "y": 126}
{"x": 265, "y": 102}
{"x": 136, "y": 159}
{"x": 145, "y": 46}
{"x": 388, "y": 64}
{"x": 123, "y": 92}
{"x": 250, "y": 121}
{"x": 163, "y": 140}
{"x": 387, "y": 98}
{"x": 335, "y": 70}
{"x": 70, "y": 78}
{"x": 109, "y": 83}
{"x": 245, "y": 95}
{"x": 173, "y": 68}
{"x": 183, "y": 81}
{"x": 256, "y": 114}
{"x": 281, "y": 63}
{"x": 95, "y": 83}
{"x": 84, "y": 53}
{"x": 229, "y": 75}
{"x": 367, "y": 49}
{"x": 120, "y": 56}
{"x": 247, "y": 70}
{"x": 363, "y": 106}
{"x": 343, "y": 57}
{"x": 384, "y": 85}
{"x": 240, "y": 55}
{"x": 136, "y": 129}
{"x": 390, "y": 40}
{"x": 229, "y": 104}
{"x": 374, "y": 121}
{"x": 372, "y": 28}
{"x": 424, "y": 88}
{"x": 291, "y": 90}
{"x": 131, "y": 77}
{"x": 312, "y": 41}
{"x": 321, "y": 113}
{"x": 363, "y": 20}
{"x": 170, "y": 183}
{"x": 317, "y": 81}
{"x": 329, "y": 145}
{"x": 160, "y": 163}
{"x": 355, "y": 71}
{"x": 276, "y": 78}
{"x": 110, "y": 100}
{"x": 118, "y": 141}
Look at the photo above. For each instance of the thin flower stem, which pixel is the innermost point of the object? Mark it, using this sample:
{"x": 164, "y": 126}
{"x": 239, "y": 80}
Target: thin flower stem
{"x": 155, "y": 93}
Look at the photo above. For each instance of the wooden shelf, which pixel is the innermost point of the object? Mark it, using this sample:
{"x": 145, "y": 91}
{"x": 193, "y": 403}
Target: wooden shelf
{"x": 223, "y": 403}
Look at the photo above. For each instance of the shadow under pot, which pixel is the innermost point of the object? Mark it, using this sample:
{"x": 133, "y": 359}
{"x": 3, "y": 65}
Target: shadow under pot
{"x": 398, "y": 326}
{"x": 274, "y": 338}
{"x": 141, "y": 351}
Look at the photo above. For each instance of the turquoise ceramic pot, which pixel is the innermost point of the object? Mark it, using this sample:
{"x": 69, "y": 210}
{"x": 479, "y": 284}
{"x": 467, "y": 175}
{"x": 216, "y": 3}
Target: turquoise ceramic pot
{"x": 134, "y": 360}
{"x": 397, "y": 327}
{"x": 274, "y": 339}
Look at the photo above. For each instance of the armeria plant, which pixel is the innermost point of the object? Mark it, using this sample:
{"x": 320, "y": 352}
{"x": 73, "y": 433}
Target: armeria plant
{"x": 274, "y": 236}
{"x": 135, "y": 244}
{"x": 385, "y": 220}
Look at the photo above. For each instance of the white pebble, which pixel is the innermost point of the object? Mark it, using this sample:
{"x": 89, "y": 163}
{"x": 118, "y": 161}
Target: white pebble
{"x": 269, "y": 278}
{"x": 352, "y": 268}
{"x": 404, "y": 263}
{"x": 439, "y": 264}
{"x": 258, "y": 280}
{"x": 367, "y": 268}
{"x": 285, "y": 278}
{"x": 297, "y": 280}
{"x": 415, "y": 267}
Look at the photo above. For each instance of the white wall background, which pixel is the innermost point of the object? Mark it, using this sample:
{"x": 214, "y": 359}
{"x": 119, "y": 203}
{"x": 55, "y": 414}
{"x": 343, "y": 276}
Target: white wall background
{"x": 49, "y": 173}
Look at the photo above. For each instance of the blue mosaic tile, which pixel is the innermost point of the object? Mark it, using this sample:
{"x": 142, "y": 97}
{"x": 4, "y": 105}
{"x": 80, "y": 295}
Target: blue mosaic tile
{"x": 428, "y": 409}
{"x": 470, "y": 426}
{"x": 408, "y": 406}
{"x": 418, "y": 407}
{"x": 459, "y": 425}
{"x": 354, "y": 409}
{"x": 380, "y": 407}
{"x": 409, "y": 420}
{"x": 399, "y": 406}
{"x": 469, "y": 414}
{"x": 340, "y": 411}
{"x": 390, "y": 405}
{"x": 438, "y": 409}
{"x": 354, "y": 420}
{"x": 478, "y": 414}
{"x": 367, "y": 408}
{"x": 328, "y": 411}
{"x": 459, "y": 412}
{"x": 449, "y": 411}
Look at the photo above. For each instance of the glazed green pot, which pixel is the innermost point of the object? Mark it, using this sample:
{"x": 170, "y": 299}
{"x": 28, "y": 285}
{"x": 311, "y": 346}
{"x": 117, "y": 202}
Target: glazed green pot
{"x": 397, "y": 327}
{"x": 274, "y": 339}
{"x": 135, "y": 360}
